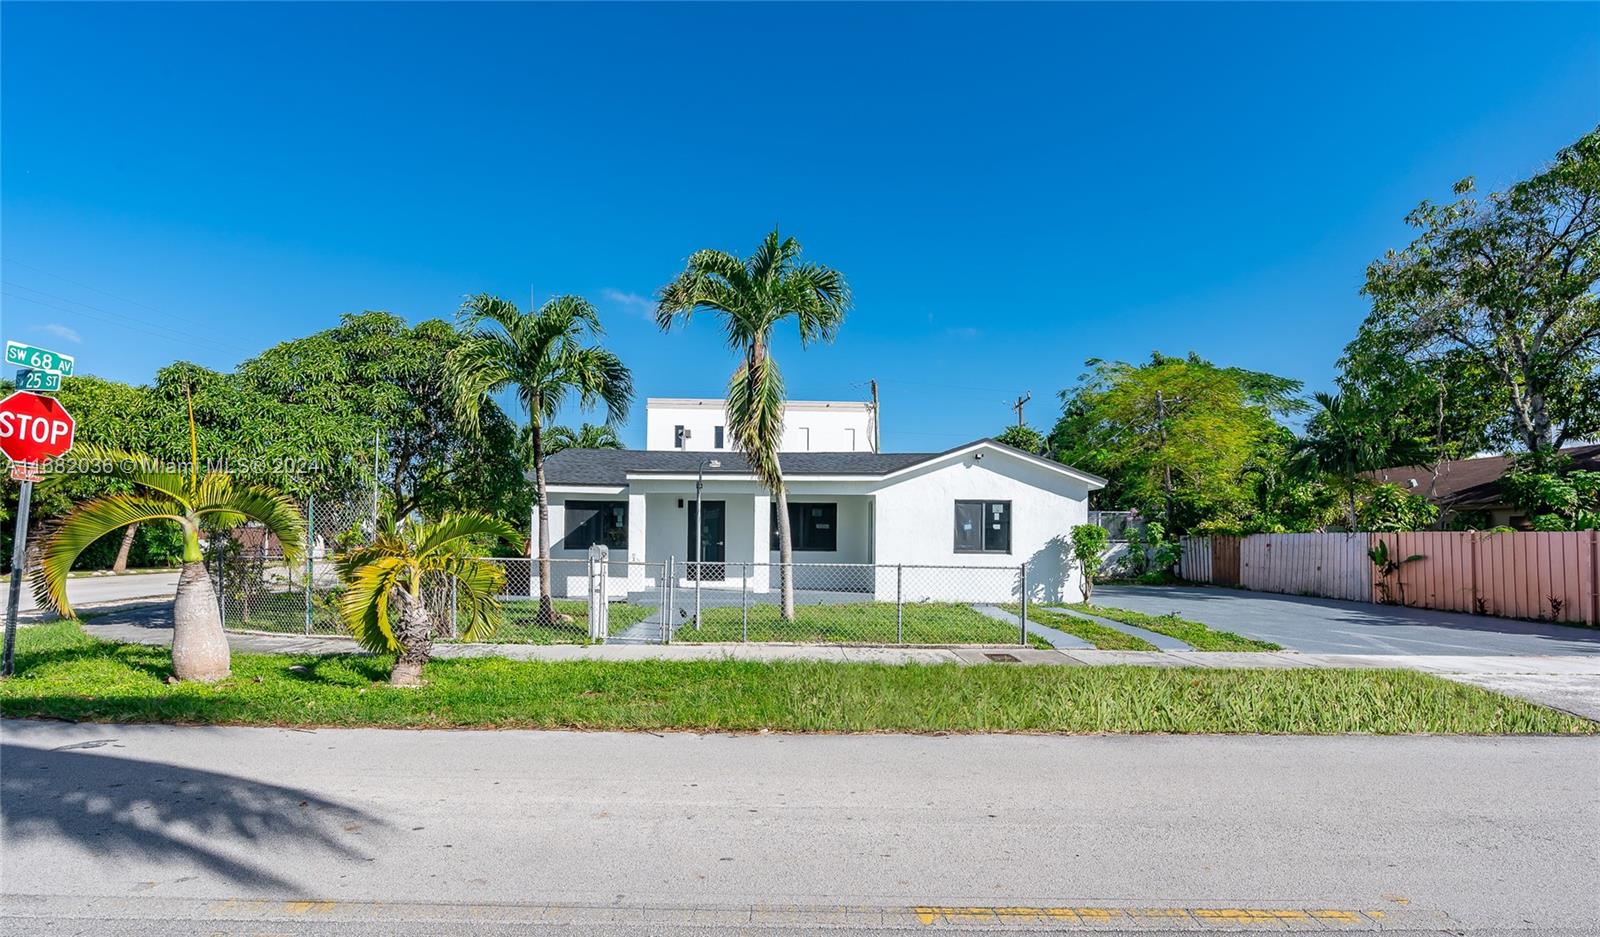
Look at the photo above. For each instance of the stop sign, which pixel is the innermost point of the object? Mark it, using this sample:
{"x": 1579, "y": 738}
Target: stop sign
{"x": 34, "y": 428}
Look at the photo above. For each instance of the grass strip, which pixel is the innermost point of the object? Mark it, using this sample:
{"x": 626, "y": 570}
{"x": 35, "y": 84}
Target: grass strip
{"x": 1103, "y": 638}
{"x": 1196, "y": 634}
{"x": 853, "y": 623}
{"x": 64, "y": 673}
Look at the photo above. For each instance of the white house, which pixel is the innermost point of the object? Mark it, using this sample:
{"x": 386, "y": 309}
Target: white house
{"x": 982, "y": 504}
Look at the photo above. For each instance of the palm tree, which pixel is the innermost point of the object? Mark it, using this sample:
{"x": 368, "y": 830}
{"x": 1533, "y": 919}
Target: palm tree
{"x": 399, "y": 564}
{"x": 1346, "y": 438}
{"x": 543, "y": 356}
{"x": 751, "y": 296}
{"x": 587, "y": 436}
{"x": 216, "y": 499}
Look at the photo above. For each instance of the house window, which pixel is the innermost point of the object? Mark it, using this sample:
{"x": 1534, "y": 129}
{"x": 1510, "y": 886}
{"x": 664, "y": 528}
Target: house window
{"x": 814, "y": 528}
{"x": 983, "y": 526}
{"x": 850, "y": 434}
{"x": 592, "y": 522}
{"x": 719, "y": 437}
{"x": 678, "y": 436}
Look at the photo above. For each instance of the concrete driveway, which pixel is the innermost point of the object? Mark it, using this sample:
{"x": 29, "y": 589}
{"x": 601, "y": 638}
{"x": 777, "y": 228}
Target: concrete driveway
{"x": 1332, "y": 626}
{"x": 90, "y": 590}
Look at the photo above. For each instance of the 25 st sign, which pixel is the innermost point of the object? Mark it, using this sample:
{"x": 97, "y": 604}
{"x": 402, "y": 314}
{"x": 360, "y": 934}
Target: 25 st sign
{"x": 34, "y": 428}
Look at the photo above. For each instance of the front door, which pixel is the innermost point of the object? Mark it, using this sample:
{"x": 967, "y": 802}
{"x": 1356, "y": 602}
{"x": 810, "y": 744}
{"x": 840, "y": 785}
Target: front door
{"x": 712, "y": 546}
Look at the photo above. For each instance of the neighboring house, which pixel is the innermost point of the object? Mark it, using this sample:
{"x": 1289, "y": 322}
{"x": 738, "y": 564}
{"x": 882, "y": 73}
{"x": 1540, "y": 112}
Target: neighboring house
{"x": 1467, "y": 486}
{"x": 979, "y": 504}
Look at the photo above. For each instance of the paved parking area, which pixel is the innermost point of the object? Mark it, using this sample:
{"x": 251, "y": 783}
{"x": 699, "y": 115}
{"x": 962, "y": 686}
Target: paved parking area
{"x": 1331, "y": 626}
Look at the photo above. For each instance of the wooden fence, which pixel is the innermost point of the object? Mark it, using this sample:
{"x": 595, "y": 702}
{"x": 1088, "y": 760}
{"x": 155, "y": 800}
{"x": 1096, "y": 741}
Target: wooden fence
{"x": 1542, "y": 576}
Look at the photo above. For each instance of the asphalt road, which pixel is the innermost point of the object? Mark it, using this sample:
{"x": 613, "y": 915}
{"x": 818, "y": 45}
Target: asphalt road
{"x": 87, "y": 590}
{"x": 172, "y": 830}
{"x": 1332, "y": 626}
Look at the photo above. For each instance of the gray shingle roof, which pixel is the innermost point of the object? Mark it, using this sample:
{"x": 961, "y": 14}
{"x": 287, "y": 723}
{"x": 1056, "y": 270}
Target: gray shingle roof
{"x": 613, "y": 466}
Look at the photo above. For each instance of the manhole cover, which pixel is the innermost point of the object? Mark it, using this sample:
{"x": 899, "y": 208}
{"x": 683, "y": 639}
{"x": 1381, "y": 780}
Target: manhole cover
{"x": 1002, "y": 658}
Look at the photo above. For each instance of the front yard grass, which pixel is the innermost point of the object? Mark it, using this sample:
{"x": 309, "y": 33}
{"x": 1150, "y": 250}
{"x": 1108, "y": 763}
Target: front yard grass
{"x": 522, "y": 624}
{"x": 66, "y": 674}
{"x": 1103, "y": 638}
{"x": 853, "y": 623}
{"x": 1193, "y": 633}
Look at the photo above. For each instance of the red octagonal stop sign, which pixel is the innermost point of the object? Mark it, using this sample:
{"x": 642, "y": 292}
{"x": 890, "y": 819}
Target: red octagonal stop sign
{"x": 34, "y": 428}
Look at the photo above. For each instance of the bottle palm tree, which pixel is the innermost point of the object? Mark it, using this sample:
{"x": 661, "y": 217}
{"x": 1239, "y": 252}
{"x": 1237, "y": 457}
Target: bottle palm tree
{"x": 385, "y": 605}
{"x": 543, "y": 357}
{"x": 751, "y": 296}
{"x": 199, "y": 646}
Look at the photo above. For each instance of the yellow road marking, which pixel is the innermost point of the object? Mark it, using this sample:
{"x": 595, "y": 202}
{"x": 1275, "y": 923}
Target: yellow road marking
{"x": 301, "y": 907}
{"x": 930, "y": 915}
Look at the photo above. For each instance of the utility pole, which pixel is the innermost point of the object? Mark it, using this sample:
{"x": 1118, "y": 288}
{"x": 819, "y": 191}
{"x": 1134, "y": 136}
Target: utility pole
{"x": 876, "y": 423}
{"x": 1021, "y": 402}
{"x": 1166, "y": 468}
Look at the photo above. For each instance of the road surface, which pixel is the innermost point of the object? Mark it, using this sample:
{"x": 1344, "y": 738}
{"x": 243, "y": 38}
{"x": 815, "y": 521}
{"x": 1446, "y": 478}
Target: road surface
{"x": 173, "y": 830}
{"x": 1333, "y": 626}
{"x": 88, "y": 590}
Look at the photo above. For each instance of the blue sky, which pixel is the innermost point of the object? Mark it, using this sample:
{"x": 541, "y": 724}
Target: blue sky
{"x": 1010, "y": 189}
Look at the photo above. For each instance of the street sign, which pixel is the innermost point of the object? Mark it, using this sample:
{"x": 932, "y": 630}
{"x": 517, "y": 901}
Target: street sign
{"x": 35, "y": 379}
{"x": 42, "y": 359}
{"x": 34, "y": 428}
{"x": 26, "y": 472}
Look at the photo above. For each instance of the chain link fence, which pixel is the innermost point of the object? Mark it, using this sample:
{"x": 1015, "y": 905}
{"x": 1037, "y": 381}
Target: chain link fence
{"x": 657, "y": 603}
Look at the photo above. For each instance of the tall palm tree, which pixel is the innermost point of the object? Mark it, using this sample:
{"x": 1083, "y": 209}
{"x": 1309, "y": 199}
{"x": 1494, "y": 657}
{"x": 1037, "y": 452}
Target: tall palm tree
{"x": 587, "y": 436}
{"x": 751, "y": 296}
{"x": 543, "y": 356}
{"x": 384, "y": 604}
{"x": 199, "y": 646}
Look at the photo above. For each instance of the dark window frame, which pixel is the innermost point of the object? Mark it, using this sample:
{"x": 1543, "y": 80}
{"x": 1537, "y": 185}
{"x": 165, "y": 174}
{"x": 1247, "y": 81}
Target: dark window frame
{"x": 592, "y": 530}
{"x": 809, "y": 532}
{"x": 718, "y": 441}
{"x": 984, "y": 530}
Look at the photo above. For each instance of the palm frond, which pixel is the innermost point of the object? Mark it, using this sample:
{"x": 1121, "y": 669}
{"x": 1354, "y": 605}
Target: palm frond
{"x": 364, "y": 604}
{"x": 87, "y": 523}
{"x": 478, "y": 581}
{"x": 755, "y": 417}
{"x": 225, "y": 500}
{"x": 450, "y": 531}
{"x": 137, "y": 468}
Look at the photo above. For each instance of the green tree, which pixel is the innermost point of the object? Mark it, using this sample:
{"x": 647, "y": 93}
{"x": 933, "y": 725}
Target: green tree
{"x": 1345, "y": 439}
{"x": 1388, "y": 508}
{"x": 385, "y": 604}
{"x": 374, "y": 373}
{"x": 1025, "y": 438}
{"x": 1173, "y": 436}
{"x": 199, "y": 646}
{"x": 1554, "y": 495}
{"x": 541, "y": 356}
{"x": 751, "y": 296}
{"x": 1088, "y": 546}
{"x": 1508, "y": 286}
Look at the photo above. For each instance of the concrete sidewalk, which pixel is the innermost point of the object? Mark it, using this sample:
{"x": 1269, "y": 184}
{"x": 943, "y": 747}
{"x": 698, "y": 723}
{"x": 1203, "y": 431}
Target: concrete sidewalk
{"x": 1568, "y": 683}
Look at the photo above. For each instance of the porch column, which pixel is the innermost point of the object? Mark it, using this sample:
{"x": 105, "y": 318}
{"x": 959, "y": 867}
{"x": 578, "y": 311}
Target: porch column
{"x": 761, "y": 545}
{"x": 636, "y": 528}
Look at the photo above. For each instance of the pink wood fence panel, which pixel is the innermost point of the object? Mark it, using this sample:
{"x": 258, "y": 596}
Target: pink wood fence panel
{"x": 1549, "y": 576}
{"x": 1330, "y": 565}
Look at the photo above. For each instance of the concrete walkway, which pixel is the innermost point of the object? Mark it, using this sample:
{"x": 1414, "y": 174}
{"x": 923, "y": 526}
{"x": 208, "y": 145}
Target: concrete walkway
{"x": 1057, "y": 638}
{"x": 1567, "y": 682}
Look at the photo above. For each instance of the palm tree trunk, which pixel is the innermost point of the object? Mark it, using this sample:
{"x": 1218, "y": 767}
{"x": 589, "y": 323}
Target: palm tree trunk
{"x": 120, "y": 565}
{"x": 199, "y": 646}
{"x": 785, "y": 556}
{"x": 413, "y": 631}
{"x": 547, "y": 613}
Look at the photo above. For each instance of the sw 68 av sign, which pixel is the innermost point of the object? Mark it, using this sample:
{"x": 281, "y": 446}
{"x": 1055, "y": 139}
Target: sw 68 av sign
{"x": 34, "y": 428}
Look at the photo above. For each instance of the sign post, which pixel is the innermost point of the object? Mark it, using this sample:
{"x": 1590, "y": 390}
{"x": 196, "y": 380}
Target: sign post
{"x": 33, "y": 429}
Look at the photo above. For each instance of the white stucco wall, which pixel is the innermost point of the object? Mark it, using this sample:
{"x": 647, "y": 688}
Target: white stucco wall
{"x": 809, "y": 425}
{"x": 916, "y": 525}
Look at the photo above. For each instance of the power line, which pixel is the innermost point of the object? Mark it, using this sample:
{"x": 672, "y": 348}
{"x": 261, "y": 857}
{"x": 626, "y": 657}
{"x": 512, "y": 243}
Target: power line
{"x": 108, "y": 293}
{"x": 113, "y": 318}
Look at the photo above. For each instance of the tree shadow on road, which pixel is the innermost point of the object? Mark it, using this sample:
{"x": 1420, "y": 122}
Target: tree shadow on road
{"x": 121, "y": 807}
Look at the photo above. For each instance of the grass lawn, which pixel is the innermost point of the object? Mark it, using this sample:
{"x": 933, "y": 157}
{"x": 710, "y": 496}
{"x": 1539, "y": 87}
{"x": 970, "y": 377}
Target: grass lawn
{"x": 522, "y": 625}
{"x": 1106, "y": 639}
{"x": 1193, "y": 633}
{"x": 854, "y": 623}
{"x": 63, "y": 673}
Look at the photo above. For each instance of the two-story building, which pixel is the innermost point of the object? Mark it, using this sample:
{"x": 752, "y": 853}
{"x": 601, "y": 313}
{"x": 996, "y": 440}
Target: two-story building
{"x": 853, "y": 510}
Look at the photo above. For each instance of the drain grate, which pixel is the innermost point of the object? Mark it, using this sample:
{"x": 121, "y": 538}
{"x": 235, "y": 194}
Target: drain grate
{"x": 1003, "y": 658}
